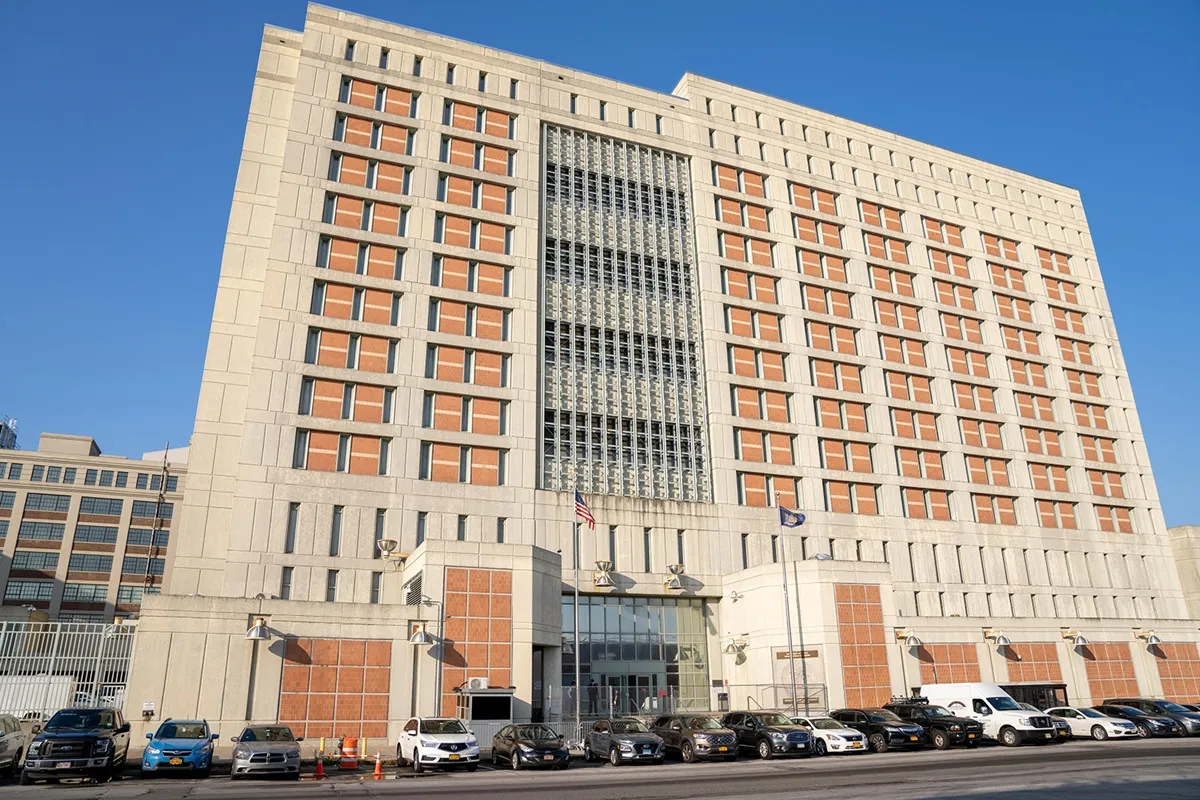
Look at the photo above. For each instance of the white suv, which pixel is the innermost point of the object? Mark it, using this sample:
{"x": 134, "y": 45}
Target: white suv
{"x": 437, "y": 742}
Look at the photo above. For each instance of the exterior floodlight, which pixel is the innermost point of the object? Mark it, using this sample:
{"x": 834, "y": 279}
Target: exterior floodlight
{"x": 907, "y": 636}
{"x": 997, "y": 637}
{"x": 601, "y": 578}
{"x": 1003, "y": 641}
{"x": 419, "y": 636}
{"x": 674, "y": 581}
{"x": 259, "y": 632}
{"x": 1148, "y": 636}
{"x": 821, "y": 557}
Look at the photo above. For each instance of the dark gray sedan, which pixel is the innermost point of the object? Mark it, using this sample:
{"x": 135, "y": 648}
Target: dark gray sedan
{"x": 266, "y": 750}
{"x": 696, "y": 737}
{"x": 622, "y": 740}
{"x": 532, "y": 745}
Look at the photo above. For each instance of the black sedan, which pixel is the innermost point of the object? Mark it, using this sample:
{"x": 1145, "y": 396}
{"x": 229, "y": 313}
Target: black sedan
{"x": 883, "y": 729}
{"x": 1147, "y": 724}
{"x": 769, "y": 734}
{"x": 526, "y": 746}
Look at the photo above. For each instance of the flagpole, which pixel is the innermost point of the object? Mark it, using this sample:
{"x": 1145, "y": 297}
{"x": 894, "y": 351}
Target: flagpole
{"x": 578, "y": 687}
{"x": 787, "y": 606}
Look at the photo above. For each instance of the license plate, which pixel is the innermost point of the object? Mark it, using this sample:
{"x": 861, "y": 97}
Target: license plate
{"x": 175, "y": 762}
{"x": 970, "y": 736}
{"x": 1048, "y": 735}
{"x": 645, "y": 751}
{"x": 913, "y": 738}
{"x": 547, "y": 758}
{"x": 856, "y": 745}
{"x": 454, "y": 757}
{"x": 722, "y": 749}
{"x": 63, "y": 765}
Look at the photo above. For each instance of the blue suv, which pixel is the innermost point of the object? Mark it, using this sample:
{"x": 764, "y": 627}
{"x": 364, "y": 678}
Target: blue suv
{"x": 179, "y": 746}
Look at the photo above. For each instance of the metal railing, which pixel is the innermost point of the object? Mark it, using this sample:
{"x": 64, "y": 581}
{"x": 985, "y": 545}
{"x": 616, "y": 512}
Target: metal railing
{"x": 46, "y": 666}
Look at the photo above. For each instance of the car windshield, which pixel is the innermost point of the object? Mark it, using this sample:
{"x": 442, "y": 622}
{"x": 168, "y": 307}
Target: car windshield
{"x": 939, "y": 711}
{"x": 702, "y": 723}
{"x": 442, "y": 726}
{"x": 81, "y": 719}
{"x": 1004, "y": 704}
{"x": 772, "y": 719}
{"x": 826, "y": 724}
{"x": 268, "y": 733}
{"x": 882, "y": 715}
{"x": 1131, "y": 711}
{"x": 182, "y": 730}
{"x": 628, "y": 726}
{"x": 1173, "y": 708}
{"x": 1028, "y": 707}
{"x": 1089, "y": 712}
{"x": 534, "y": 732}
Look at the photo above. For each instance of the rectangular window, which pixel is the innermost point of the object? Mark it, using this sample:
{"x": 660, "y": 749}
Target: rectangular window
{"x": 89, "y": 477}
{"x": 512, "y": 88}
{"x": 774, "y": 548}
{"x": 417, "y": 67}
{"x": 450, "y": 74}
{"x": 69, "y": 475}
{"x": 335, "y": 532}
{"x": 380, "y": 529}
{"x": 383, "y": 57}
{"x": 285, "y": 584}
{"x": 421, "y": 518}
{"x": 376, "y": 587}
{"x": 293, "y": 520}
{"x": 745, "y": 551}
{"x": 612, "y": 545}
{"x": 646, "y": 550}
{"x": 349, "y": 54}
{"x": 37, "y": 473}
{"x": 460, "y": 531}
{"x": 500, "y": 523}
{"x": 331, "y": 581}
{"x": 679, "y": 548}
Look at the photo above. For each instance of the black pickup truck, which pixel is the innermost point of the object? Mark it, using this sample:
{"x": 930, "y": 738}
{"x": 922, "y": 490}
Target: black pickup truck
{"x": 78, "y": 743}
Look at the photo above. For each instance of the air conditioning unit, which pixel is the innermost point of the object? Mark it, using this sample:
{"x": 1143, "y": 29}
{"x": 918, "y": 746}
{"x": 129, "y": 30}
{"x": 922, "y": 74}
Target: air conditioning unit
{"x": 474, "y": 684}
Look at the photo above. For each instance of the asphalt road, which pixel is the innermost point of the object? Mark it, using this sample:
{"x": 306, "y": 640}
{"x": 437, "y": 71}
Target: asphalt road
{"x": 1161, "y": 769}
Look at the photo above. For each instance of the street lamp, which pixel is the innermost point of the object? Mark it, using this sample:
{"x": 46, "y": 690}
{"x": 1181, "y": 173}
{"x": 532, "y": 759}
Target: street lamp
{"x": 259, "y": 632}
{"x": 420, "y": 638}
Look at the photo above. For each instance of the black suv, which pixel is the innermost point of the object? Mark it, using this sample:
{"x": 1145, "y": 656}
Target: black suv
{"x": 78, "y": 743}
{"x": 943, "y": 728}
{"x": 1190, "y": 720}
{"x": 768, "y": 733}
{"x": 883, "y": 729}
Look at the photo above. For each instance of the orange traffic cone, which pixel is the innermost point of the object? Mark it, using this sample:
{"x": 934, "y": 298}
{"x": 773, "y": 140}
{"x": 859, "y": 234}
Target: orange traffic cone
{"x": 378, "y": 767}
{"x": 320, "y": 773}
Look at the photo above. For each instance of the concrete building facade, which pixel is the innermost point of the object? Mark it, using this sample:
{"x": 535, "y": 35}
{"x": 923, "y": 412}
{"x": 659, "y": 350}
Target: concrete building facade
{"x": 85, "y": 536}
{"x": 459, "y": 285}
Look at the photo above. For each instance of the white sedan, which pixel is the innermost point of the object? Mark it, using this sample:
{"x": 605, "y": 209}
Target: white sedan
{"x": 831, "y": 736}
{"x": 1090, "y": 722}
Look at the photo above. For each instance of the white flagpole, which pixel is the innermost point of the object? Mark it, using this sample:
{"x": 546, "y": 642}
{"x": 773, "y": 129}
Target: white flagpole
{"x": 787, "y": 606}
{"x": 575, "y": 549}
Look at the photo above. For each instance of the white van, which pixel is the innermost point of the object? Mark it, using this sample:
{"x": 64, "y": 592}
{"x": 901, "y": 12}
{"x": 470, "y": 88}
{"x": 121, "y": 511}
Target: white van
{"x": 1003, "y": 718}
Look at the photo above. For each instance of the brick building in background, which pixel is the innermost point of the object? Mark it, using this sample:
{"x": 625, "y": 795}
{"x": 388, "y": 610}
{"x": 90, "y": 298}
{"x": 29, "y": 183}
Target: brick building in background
{"x": 459, "y": 285}
{"x": 85, "y": 535}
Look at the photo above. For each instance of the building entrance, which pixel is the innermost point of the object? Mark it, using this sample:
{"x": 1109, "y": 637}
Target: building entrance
{"x": 1041, "y": 695}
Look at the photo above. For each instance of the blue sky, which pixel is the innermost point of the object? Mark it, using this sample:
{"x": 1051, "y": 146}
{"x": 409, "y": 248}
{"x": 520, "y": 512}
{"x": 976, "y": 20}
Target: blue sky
{"x": 124, "y": 122}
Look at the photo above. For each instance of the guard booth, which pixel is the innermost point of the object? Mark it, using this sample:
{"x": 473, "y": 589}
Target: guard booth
{"x": 484, "y": 710}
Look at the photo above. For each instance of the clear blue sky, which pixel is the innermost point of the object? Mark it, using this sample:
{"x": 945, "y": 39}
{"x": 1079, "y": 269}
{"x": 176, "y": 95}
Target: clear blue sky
{"x": 123, "y": 123}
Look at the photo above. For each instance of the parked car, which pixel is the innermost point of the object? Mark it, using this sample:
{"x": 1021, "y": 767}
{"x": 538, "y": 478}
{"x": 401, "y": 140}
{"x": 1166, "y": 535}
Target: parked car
{"x": 1189, "y": 719}
{"x": 179, "y": 746}
{"x": 1002, "y": 717}
{"x": 78, "y": 743}
{"x": 266, "y": 750}
{"x": 12, "y": 744}
{"x": 831, "y": 736}
{"x": 1090, "y": 722}
{"x": 696, "y": 737}
{"x": 943, "y": 729}
{"x": 883, "y": 729}
{"x": 769, "y": 733}
{"x": 621, "y": 740}
{"x": 1191, "y": 706}
{"x": 1062, "y": 731}
{"x": 532, "y": 745}
{"x": 437, "y": 743}
{"x": 1147, "y": 724}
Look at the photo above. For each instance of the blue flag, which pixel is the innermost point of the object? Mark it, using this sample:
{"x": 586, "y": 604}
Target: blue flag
{"x": 789, "y": 518}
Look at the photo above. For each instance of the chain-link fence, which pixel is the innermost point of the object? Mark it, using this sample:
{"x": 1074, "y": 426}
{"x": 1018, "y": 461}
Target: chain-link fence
{"x": 46, "y": 666}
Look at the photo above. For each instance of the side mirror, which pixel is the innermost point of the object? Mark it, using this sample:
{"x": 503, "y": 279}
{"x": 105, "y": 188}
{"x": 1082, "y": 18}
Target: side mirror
{"x": 300, "y": 739}
{"x": 124, "y": 728}
{"x": 234, "y": 739}
{"x": 149, "y": 735}
{"x": 216, "y": 736}
{"x": 36, "y": 729}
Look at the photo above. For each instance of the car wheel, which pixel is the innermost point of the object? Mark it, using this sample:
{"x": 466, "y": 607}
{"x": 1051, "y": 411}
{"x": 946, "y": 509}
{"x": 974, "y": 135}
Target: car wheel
{"x": 1009, "y": 737}
{"x": 879, "y": 742}
{"x": 514, "y": 759}
{"x": 820, "y": 748}
{"x": 1143, "y": 731}
{"x": 472, "y": 767}
{"x": 614, "y": 756}
{"x": 416, "y": 762}
{"x": 14, "y": 765}
{"x": 587, "y": 753}
{"x": 940, "y": 740}
{"x": 495, "y": 757}
{"x": 764, "y": 749}
{"x": 25, "y": 779}
{"x": 1098, "y": 733}
{"x": 686, "y": 752}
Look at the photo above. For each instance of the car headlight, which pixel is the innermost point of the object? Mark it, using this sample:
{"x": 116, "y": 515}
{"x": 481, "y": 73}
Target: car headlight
{"x": 1025, "y": 722}
{"x": 625, "y": 745}
{"x": 101, "y": 745}
{"x": 524, "y": 748}
{"x": 292, "y": 753}
{"x": 833, "y": 737}
{"x": 701, "y": 738}
{"x": 152, "y": 750}
{"x": 241, "y": 752}
{"x": 956, "y": 727}
{"x": 428, "y": 743}
{"x": 779, "y": 737}
{"x": 35, "y": 749}
{"x": 472, "y": 743}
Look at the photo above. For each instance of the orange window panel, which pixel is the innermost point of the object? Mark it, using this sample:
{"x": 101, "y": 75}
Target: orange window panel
{"x": 856, "y": 417}
{"x": 760, "y": 252}
{"x": 737, "y": 284}
{"x": 353, "y": 170}
{"x": 776, "y": 404}
{"x": 806, "y": 230}
{"x": 389, "y": 178}
{"x": 754, "y": 490}
{"x": 753, "y": 184}
{"x": 455, "y": 273}
{"x": 386, "y": 219}
{"x": 377, "y": 307}
{"x": 372, "y": 354}
{"x": 726, "y": 177}
{"x": 382, "y": 262}
{"x": 740, "y": 321}
{"x": 780, "y": 448}
{"x": 398, "y": 102}
{"x": 828, "y": 413}
{"x": 772, "y": 366}
{"x": 488, "y": 369}
{"x": 463, "y": 116}
{"x": 963, "y": 328}
{"x": 456, "y": 231}
{"x": 1007, "y": 277}
{"x": 768, "y": 327}
{"x": 896, "y": 251}
{"x": 485, "y": 466}
{"x": 364, "y": 455}
{"x": 743, "y": 362}
{"x": 450, "y": 364}
{"x": 462, "y": 154}
{"x": 978, "y": 433}
{"x": 452, "y": 317}
{"x": 1061, "y": 290}
{"x": 745, "y": 402}
{"x": 1114, "y": 519}
{"x": 357, "y": 131}
{"x": 489, "y": 323}
{"x": 764, "y": 289}
{"x": 1089, "y": 415}
{"x": 824, "y": 374}
{"x": 881, "y": 216}
{"x": 447, "y": 412}
{"x": 492, "y": 237}
{"x": 459, "y": 191}
{"x": 333, "y": 349}
{"x": 444, "y": 460}
{"x": 999, "y": 247}
{"x": 348, "y": 212}
{"x": 1098, "y": 449}
{"x": 362, "y": 94}
{"x": 1067, "y": 320}
{"x": 992, "y": 510}
{"x": 909, "y": 462}
{"x": 393, "y": 138}
{"x": 495, "y": 160}
{"x": 729, "y": 211}
{"x": 949, "y": 263}
{"x": 485, "y": 416}
{"x": 327, "y": 398}
{"x": 322, "y": 451}
{"x": 734, "y": 247}
{"x": 833, "y": 454}
{"x": 343, "y": 255}
{"x": 756, "y": 217}
{"x": 1052, "y": 261}
{"x": 875, "y": 245}
{"x": 814, "y": 299}
{"x": 339, "y": 301}
{"x": 496, "y": 123}
{"x": 931, "y": 465}
{"x": 838, "y": 494}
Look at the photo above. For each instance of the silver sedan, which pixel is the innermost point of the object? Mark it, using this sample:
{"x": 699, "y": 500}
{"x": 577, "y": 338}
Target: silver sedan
{"x": 266, "y": 750}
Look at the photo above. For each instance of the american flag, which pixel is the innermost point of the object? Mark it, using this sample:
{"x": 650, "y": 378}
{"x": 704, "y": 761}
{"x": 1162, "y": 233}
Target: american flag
{"x": 583, "y": 512}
